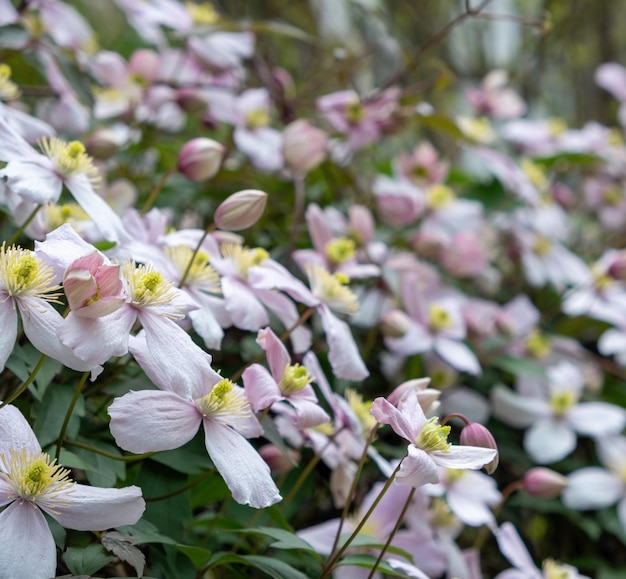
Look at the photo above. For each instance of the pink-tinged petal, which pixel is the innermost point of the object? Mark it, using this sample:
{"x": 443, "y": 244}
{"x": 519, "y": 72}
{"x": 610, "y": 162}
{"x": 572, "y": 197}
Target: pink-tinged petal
{"x": 274, "y": 276}
{"x": 149, "y": 421}
{"x": 308, "y": 413}
{"x": 97, "y": 340}
{"x": 612, "y": 453}
{"x": 243, "y": 420}
{"x": 549, "y": 440}
{"x": 415, "y": 341}
{"x": 513, "y": 548}
{"x": 343, "y": 353}
{"x": 406, "y": 568}
{"x": 471, "y": 496}
{"x": 33, "y": 181}
{"x": 207, "y": 325}
{"x": 597, "y": 418}
{"x": 515, "y": 574}
{"x": 321, "y": 536}
{"x": 14, "y": 147}
{"x": 246, "y": 474}
{"x": 242, "y": 306}
{"x": 516, "y": 410}
{"x": 593, "y": 488}
{"x": 8, "y": 323}
{"x": 260, "y": 388}
{"x": 386, "y": 413}
{"x": 28, "y": 549}
{"x": 458, "y": 355}
{"x": 460, "y": 456}
{"x": 86, "y": 508}
{"x": 275, "y": 352}
{"x": 317, "y": 222}
{"x": 176, "y": 362}
{"x": 101, "y": 213}
{"x": 61, "y": 248}
{"x": 417, "y": 468}
{"x": 42, "y": 325}
{"x": 15, "y": 433}
{"x": 7, "y": 492}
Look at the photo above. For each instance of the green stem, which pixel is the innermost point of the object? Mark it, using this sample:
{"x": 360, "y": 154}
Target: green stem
{"x": 26, "y": 383}
{"x": 68, "y": 414}
{"x": 96, "y": 450}
{"x": 393, "y": 533}
{"x": 24, "y": 225}
{"x": 157, "y": 189}
{"x": 355, "y": 480}
{"x": 303, "y": 476}
{"x": 189, "y": 485}
{"x": 333, "y": 558}
{"x": 208, "y": 230}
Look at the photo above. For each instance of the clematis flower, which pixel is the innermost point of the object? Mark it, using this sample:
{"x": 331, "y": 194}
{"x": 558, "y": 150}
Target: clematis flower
{"x": 30, "y": 482}
{"x": 173, "y": 415}
{"x": 428, "y": 442}
{"x": 40, "y": 178}
{"x": 286, "y": 382}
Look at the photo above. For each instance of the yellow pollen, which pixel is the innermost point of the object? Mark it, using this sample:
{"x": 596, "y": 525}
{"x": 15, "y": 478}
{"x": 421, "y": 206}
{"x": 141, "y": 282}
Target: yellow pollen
{"x": 8, "y": 89}
{"x": 257, "y": 118}
{"x": 202, "y": 13}
{"x": 542, "y": 245}
{"x": 355, "y": 112}
{"x": 613, "y": 196}
{"x": 69, "y": 158}
{"x": 362, "y": 409}
{"x": 332, "y": 290}
{"x": 224, "y": 398}
{"x": 557, "y": 126}
{"x": 439, "y": 196}
{"x": 477, "y": 129}
{"x": 454, "y": 474}
{"x": 433, "y": 437}
{"x": 147, "y": 287}
{"x": 535, "y": 173}
{"x": 201, "y": 274}
{"x": 440, "y": 513}
{"x": 34, "y": 475}
{"x": 327, "y": 428}
{"x": 553, "y": 570}
{"x": 243, "y": 258}
{"x": 294, "y": 379}
{"x": 537, "y": 344}
{"x": 438, "y": 318}
{"x": 56, "y": 215}
{"x": 600, "y": 279}
{"x": 23, "y": 274}
{"x": 562, "y": 401}
{"x": 340, "y": 250}
{"x": 615, "y": 138}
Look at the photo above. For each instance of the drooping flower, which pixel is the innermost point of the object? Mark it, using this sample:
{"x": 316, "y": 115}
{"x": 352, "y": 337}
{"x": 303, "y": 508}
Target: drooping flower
{"x": 30, "y": 482}
{"x": 428, "y": 442}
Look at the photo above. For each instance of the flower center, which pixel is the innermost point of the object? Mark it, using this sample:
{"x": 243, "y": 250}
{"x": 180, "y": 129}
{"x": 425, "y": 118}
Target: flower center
{"x": 23, "y": 274}
{"x": 433, "y": 437}
{"x": 202, "y": 13}
{"x": 243, "y": 258}
{"x": 201, "y": 274}
{"x": 538, "y": 345}
{"x": 542, "y": 245}
{"x": 8, "y": 89}
{"x": 69, "y": 158}
{"x": 257, "y": 118}
{"x": 294, "y": 379}
{"x": 147, "y": 287}
{"x": 552, "y": 570}
{"x": 354, "y": 112}
{"x": 438, "y": 318}
{"x": 454, "y": 474}
{"x": 224, "y": 398}
{"x": 340, "y": 250}
{"x": 56, "y": 215}
{"x": 439, "y": 196}
{"x": 32, "y": 475}
{"x": 362, "y": 409}
{"x": 332, "y": 290}
{"x": 535, "y": 173}
{"x": 562, "y": 401}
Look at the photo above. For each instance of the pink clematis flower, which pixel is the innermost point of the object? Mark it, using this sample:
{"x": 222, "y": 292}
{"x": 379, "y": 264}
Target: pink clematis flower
{"x": 40, "y": 178}
{"x": 30, "y": 482}
{"x": 428, "y": 446}
{"x": 286, "y": 382}
{"x": 173, "y": 415}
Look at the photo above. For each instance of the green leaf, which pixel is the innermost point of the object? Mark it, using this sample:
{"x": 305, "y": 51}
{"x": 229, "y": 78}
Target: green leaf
{"x": 283, "y": 539}
{"x": 273, "y": 567}
{"x": 368, "y": 561}
{"x": 122, "y": 546}
{"x": 519, "y": 366}
{"x": 102, "y": 470}
{"x": 191, "y": 458}
{"x": 198, "y": 556}
{"x": 87, "y": 560}
{"x": 50, "y": 414}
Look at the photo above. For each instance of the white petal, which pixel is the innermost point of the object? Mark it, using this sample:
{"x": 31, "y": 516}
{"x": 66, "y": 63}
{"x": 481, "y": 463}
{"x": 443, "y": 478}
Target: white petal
{"x": 8, "y": 323}
{"x": 515, "y": 409}
{"x": 246, "y": 474}
{"x": 513, "y": 548}
{"x": 458, "y": 355}
{"x": 243, "y": 307}
{"x": 597, "y": 418}
{"x": 417, "y": 468}
{"x": 86, "y": 508}
{"x": 15, "y": 433}
{"x": 149, "y": 421}
{"x": 549, "y": 440}
{"x": 28, "y": 549}
{"x": 459, "y": 456}
{"x": 33, "y": 181}
{"x": 592, "y": 488}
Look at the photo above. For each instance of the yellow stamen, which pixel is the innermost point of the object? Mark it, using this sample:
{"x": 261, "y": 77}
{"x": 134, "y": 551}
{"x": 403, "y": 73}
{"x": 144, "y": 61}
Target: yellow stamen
{"x": 332, "y": 290}
{"x": 8, "y": 89}
{"x": 340, "y": 250}
{"x": 147, "y": 287}
{"x": 439, "y": 196}
{"x": 201, "y": 274}
{"x": 69, "y": 158}
{"x": 362, "y": 409}
{"x": 537, "y": 344}
{"x": 562, "y": 401}
{"x": 294, "y": 379}
{"x": 257, "y": 118}
{"x": 223, "y": 398}
{"x": 24, "y": 275}
{"x": 438, "y": 318}
{"x": 243, "y": 258}
{"x": 433, "y": 437}
{"x": 202, "y": 14}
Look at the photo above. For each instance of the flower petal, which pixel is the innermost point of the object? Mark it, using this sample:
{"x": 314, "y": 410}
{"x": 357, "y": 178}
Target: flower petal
{"x": 458, "y": 355}
{"x": 548, "y": 441}
{"x": 86, "y": 508}
{"x": 15, "y": 433}
{"x": 405, "y": 426}
{"x": 242, "y": 306}
{"x": 592, "y": 488}
{"x": 459, "y": 456}
{"x": 261, "y": 389}
{"x": 28, "y": 549}
{"x": 513, "y": 548}
{"x": 417, "y": 468}
{"x": 515, "y": 409}
{"x": 246, "y": 474}
{"x": 597, "y": 418}
{"x": 149, "y": 421}
{"x": 8, "y": 323}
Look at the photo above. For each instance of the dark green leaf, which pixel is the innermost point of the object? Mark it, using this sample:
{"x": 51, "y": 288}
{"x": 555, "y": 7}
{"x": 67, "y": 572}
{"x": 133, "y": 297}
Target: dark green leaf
{"x": 87, "y": 560}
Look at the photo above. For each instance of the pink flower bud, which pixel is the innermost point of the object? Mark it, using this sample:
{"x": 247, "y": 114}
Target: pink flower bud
{"x": 428, "y": 244}
{"x": 145, "y": 64}
{"x": 475, "y": 434}
{"x": 543, "y": 483}
{"x": 191, "y": 99}
{"x": 200, "y": 159}
{"x": 93, "y": 287}
{"x": 617, "y": 270}
{"x": 102, "y": 144}
{"x": 395, "y": 323}
{"x": 304, "y": 146}
{"x": 362, "y": 222}
{"x": 276, "y": 459}
{"x": 241, "y": 210}
{"x": 464, "y": 256}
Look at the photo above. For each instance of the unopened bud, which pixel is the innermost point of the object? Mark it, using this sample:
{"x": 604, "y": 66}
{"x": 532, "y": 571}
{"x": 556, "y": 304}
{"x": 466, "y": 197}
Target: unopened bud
{"x": 617, "y": 270}
{"x": 278, "y": 462}
{"x": 475, "y": 434}
{"x": 146, "y": 64}
{"x": 395, "y": 323}
{"x": 543, "y": 483}
{"x": 428, "y": 244}
{"x": 191, "y": 99}
{"x": 102, "y": 144}
{"x": 200, "y": 159}
{"x": 241, "y": 210}
{"x": 304, "y": 146}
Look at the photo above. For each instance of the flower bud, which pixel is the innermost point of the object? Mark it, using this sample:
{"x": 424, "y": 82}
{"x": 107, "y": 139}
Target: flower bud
{"x": 102, "y": 144}
{"x": 146, "y": 64}
{"x": 304, "y": 146}
{"x": 241, "y": 210}
{"x": 475, "y": 434}
{"x": 200, "y": 159}
{"x": 617, "y": 270}
{"x": 428, "y": 244}
{"x": 395, "y": 323}
{"x": 543, "y": 483}
{"x": 278, "y": 462}
{"x": 191, "y": 99}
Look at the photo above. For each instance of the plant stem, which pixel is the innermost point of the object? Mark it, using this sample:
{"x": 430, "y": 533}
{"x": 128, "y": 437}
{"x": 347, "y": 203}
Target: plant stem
{"x": 157, "y": 189}
{"x": 24, "y": 225}
{"x": 26, "y": 382}
{"x": 68, "y": 414}
{"x": 393, "y": 533}
{"x": 133, "y": 458}
{"x": 182, "y": 489}
{"x": 208, "y": 230}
